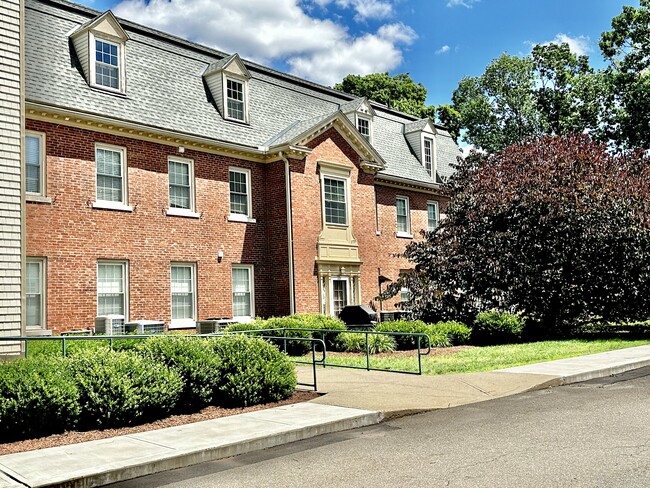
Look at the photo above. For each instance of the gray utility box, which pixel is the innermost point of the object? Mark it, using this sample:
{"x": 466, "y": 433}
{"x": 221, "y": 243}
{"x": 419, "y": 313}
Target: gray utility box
{"x": 145, "y": 326}
{"x": 213, "y": 325}
{"x": 109, "y": 325}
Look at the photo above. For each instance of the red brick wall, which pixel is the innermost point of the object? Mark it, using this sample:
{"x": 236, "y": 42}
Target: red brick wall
{"x": 73, "y": 235}
{"x": 376, "y": 252}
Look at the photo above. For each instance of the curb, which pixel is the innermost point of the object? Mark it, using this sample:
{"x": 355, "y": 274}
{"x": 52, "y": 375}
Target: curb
{"x": 603, "y": 372}
{"x": 180, "y": 458}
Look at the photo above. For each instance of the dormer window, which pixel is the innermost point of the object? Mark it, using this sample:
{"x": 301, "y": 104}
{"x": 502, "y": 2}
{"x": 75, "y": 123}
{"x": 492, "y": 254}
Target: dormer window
{"x": 107, "y": 66}
{"x": 227, "y": 81}
{"x": 428, "y": 155}
{"x": 363, "y": 126}
{"x": 100, "y": 45}
{"x": 236, "y": 104}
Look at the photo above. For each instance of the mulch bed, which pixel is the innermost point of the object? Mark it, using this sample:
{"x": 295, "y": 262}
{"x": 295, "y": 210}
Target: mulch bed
{"x": 74, "y": 437}
{"x": 435, "y": 351}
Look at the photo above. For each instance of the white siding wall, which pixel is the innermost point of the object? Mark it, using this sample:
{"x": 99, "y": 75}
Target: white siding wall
{"x": 11, "y": 201}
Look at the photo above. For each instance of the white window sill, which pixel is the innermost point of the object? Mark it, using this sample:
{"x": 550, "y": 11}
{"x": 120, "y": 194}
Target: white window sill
{"x": 183, "y": 212}
{"x": 404, "y": 235}
{"x": 113, "y": 206}
{"x": 182, "y": 324}
{"x": 31, "y": 197}
{"x": 241, "y": 218}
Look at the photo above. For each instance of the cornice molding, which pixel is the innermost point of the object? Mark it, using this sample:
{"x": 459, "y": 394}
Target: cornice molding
{"x": 71, "y": 118}
{"x": 430, "y": 189}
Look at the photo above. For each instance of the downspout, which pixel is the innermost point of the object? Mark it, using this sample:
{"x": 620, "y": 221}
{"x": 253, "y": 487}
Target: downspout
{"x": 287, "y": 189}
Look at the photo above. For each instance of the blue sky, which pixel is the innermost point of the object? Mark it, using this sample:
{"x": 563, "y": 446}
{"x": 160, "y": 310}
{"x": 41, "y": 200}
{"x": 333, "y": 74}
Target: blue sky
{"x": 437, "y": 41}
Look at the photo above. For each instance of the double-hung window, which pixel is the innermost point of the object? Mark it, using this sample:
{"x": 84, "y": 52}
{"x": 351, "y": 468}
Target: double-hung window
{"x": 405, "y": 293}
{"x": 110, "y": 164}
{"x": 242, "y": 292}
{"x": 428, "y": 156}
{"x": 35, "y": 163}
{"x": 107, "y": 64}
{"x": 112, "y": 288}
{"x": 240, "y": 194}
{"x": 183, "y": 294}
{"x": 235, "y": 99}
{"x": 35, "y": 293}
{"x": 432, "y": 216}
{"x": 334, "y": 197}
{"x": 403, "y": 220}
{"x": 363, "y": 126}
{"x": 181, "y": 187}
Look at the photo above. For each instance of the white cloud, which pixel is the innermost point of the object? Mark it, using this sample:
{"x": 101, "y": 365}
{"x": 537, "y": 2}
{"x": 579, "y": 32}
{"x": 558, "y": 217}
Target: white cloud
{"x": 462, "y": 3}
{"x": 318, "y": 49}
{"x": 444, "y": 49}
{"x": 579, "y": 45}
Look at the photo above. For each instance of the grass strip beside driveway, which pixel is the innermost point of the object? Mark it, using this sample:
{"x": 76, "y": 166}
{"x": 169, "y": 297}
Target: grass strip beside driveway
{"x": 476, "y": 359}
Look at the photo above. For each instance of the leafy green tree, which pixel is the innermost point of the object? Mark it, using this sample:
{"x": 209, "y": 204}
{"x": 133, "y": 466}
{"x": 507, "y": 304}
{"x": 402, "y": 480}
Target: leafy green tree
{"x": 450, "y": 118}
{"x": 557, "y": 228}
{"x": 399, "y": 92}
{"x": 551, "y": 92}
{"x": 627, "y": 47}
{"x": 498, "y": 108}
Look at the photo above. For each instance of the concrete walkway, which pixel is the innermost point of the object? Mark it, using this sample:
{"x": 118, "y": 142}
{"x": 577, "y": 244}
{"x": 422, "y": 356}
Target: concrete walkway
{"x": 354, "y": 398}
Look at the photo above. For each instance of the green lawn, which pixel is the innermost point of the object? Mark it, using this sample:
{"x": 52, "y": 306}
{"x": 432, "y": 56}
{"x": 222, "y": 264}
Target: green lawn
{"x": 488, "y": 358}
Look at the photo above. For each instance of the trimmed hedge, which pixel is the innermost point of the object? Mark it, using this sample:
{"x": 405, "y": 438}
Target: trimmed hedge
{"x": 356, "y": 342}
{"x": 495, "y": 327}
{"x": 37, "y": 397}
{"x": 194, "y": 360}
{"x": 252, "y": 371}
{"x": 122, "y": 388}
{"x": 457, "y": 332}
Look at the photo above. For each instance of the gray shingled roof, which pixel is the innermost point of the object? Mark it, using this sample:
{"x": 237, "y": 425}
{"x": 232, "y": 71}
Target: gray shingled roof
{"x": 165, "y": 89}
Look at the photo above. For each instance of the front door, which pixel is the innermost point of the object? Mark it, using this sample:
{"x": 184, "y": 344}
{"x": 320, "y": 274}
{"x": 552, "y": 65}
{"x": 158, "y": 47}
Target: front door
{"x": 339, "y": 294}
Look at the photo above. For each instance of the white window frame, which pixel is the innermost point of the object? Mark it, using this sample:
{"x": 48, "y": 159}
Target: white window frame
{"x": 42, "y": 162}
{"x": 239, "y": 217}
{"x": 404, "y": 290}
{"x": 186, "y": 322}
{"x": 348, "y": 289}
{"x": 404, "y": 233}
{"x": 428, "y": 162}
{"x": 183, "y": 212}
{"x": 346, "y": 188}
{"x": 109, "y": 204}
{"x": 42, "y": 264}
{"x": 367, "y": 119}
{"x": 244, "y": 85}
{"x": 251, "y": 282}
{"x": 125, "y": 284}
{"x": 437, "y": 207}
{"x": 121, "y": 62}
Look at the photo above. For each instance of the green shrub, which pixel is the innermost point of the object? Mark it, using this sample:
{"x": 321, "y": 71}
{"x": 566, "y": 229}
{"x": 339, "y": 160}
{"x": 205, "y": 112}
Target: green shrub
{"x": 252, "y": 371}
{"x": 122, "y": 388}
{"x": 37, "y": 397}
{"x": 457, "y": 332}
{"x": 326, "y": 322}
{"x": 405, "y": 342}
{"x": 495, "y": 327}
{"x": 356, "y": 342}
{"x": 194, "y": 360}
{"x": 437, "y": 337}
{"x": 251, "y": 326}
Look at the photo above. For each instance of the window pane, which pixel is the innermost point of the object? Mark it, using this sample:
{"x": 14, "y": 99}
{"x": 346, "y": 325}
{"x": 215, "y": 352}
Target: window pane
{"x": 109, "y": 175}
{"x": 363, "y": 125}
{"x": 427, "y": 156}
{"x": 335, "y": 207}
{"x": 239, "y": 193}
{"x": 432, "y": 211}
{"x": 402, "y": 215}
{"x": 33, "y": 294}
{"x": 235, "y": 99}
{"x": 241, "y": 292}
{"x": 110, "y": 289}
{"x": 182, "y": 288}
{"x": 339, "y": 295}
{"x": 179, "y": 185}
{"x": 106, "y": 64}
{"x": 33, "y": 164}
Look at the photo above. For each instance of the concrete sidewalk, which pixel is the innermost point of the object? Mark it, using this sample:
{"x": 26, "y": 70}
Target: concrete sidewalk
{"x": 354, "y": 398}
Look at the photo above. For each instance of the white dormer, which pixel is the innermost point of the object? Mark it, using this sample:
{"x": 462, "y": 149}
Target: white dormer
{"x": 100, "y": 45}
{"x": 421, "y": 136}
{"x": 228, "y": 80}
{"x": 361, "y": 114}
